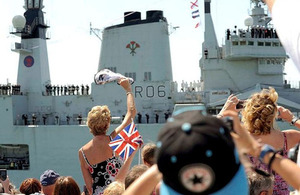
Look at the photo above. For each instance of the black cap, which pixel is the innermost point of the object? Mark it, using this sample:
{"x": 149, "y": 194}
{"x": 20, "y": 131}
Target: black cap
{"x": 196, "y": 153}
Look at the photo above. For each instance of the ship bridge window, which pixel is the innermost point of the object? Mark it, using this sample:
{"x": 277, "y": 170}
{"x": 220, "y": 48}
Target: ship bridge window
{"x": 131, "y": 75}
{"x": 260, "y": 43}
{"x": 147, "y": 76}
{"x": 280, "y": 61}
{"x": 275, "y": 44}
{"x": 235, "y": 43}
{"x": 242, "y": 42}
{"x": 268, "y": 44}
{"x": 251, "y": 43}
{"x": 14, "y": 156}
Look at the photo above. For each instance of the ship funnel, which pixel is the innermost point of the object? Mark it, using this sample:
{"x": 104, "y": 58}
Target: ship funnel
{"x": 19, "y": 22}
{"x": 132, "y": 16}
{"x": 154, "y": 14}
{"x": 137, "y": 49}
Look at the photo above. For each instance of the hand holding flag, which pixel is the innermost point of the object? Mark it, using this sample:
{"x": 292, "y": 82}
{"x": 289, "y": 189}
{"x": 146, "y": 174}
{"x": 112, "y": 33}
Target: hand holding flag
{"x": 127, "y": 141}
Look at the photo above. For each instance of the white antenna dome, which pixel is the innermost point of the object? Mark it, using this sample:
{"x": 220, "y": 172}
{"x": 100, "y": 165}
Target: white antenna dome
{"x": 19, "y": 22}
{"x": 248, "y": 21}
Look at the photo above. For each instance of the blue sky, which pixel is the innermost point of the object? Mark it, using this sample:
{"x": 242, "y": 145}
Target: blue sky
{"x": 74, "y": 53}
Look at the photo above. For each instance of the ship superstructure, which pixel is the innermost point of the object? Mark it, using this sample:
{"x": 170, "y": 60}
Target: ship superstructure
{"x": 250, "y": 59}
{"x": 126, "y": 49}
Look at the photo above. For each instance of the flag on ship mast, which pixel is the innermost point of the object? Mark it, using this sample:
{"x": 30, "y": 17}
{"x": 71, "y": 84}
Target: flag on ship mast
{"x": 127, "y": 141}
{"x": 195, "y": 12}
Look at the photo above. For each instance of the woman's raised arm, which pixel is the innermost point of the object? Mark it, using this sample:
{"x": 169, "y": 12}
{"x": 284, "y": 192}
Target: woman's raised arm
{"x": 131, "y": 110}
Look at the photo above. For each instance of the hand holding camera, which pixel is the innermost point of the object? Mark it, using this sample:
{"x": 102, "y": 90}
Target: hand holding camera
{"x": 243, "y": 140}
{"x": 4, "y": 180}
{"x": 3, "y": 174}
{"x": 233, "y": 104}
{"x": 286, "y": 115}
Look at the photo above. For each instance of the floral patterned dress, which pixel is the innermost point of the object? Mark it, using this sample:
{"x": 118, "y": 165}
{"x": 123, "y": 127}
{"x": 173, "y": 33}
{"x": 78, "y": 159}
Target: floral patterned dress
{"x": 280, "y": 186}
{"x": 104, "y": 172}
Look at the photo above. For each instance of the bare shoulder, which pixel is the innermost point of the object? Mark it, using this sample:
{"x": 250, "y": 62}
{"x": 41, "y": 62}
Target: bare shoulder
{"x": 86, "y": 147}
{"x": 293, "y": 137}
{"x": 291, "y": 132}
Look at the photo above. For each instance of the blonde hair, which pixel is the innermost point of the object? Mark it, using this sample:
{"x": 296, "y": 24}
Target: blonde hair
{"x": 115, "y": 188}
{"x": 99, "y": 120}
{"x": 260, "y": 111}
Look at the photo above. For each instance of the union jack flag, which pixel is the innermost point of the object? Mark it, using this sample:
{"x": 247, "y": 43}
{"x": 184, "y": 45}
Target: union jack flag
{"x": 127, "y": 141}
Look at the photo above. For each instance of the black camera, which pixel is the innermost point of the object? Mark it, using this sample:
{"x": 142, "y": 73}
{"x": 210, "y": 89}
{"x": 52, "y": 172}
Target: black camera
{"x": 229, "y": 122}
{"x": 293, "y": 153}
{"x": 240, "y": 104}
{"x": 3, "y": 174}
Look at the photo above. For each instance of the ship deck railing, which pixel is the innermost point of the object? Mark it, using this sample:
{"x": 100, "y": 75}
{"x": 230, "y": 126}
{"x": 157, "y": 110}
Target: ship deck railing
{"x": 247, "y": 48}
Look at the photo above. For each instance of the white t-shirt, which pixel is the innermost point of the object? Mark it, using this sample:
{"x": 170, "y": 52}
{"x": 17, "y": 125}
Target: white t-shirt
{"x": 286, "y": 18}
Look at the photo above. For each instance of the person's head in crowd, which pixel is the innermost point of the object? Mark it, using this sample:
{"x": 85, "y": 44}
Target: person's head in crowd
{"x": 66, "y": 185}
{"x": 98, "y": 120}
{"x": 115, "y": 188}
{"x": 260, "y": 184}
{"x": 260, "y": 111}
{"x": 30, "y": 186}
{"x": 47, "y": 180}
{"x": 148, "y": 152}
{"x": 134, "y": 173}
{"x": 197, "y": 155}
